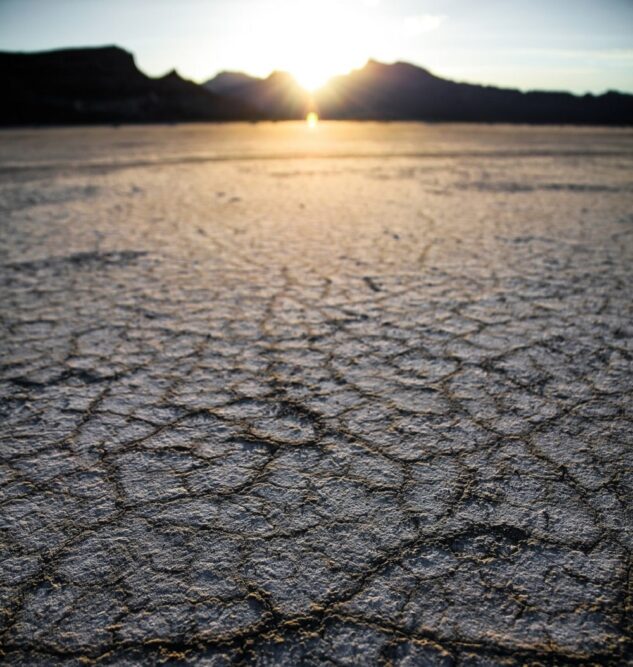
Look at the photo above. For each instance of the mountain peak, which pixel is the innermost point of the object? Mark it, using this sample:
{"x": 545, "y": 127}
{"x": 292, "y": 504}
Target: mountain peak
{"x": 229, "y": 81}
{"x": 172, "y": 75}
{"x": 281, "y": 76}
{"x": 399, "y": 67}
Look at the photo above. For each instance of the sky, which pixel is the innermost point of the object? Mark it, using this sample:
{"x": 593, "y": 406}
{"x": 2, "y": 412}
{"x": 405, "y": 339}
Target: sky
{"x": 577, "y": 45}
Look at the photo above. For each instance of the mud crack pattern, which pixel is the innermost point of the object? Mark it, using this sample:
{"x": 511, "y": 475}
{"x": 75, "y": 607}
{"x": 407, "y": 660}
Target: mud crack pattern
{"x": 316, "y": 403}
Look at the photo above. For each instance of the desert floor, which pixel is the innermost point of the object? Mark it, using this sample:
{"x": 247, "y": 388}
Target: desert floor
{"x": 350, "y": 396}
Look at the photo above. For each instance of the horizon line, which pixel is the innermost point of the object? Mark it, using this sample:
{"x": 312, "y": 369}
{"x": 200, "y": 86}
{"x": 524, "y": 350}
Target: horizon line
{"x": 370, "y": 59}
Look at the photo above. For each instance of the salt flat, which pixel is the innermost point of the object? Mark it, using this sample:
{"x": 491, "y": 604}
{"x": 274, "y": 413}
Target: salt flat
{"x": 359, "y": 395}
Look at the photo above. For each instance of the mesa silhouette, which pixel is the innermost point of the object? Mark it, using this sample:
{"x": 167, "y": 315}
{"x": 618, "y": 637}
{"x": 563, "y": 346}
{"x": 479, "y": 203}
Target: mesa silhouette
{"x": 103, "y": 85}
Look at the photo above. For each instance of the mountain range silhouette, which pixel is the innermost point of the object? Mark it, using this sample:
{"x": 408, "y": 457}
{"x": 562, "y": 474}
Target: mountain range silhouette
{"x": 103, "y": 85}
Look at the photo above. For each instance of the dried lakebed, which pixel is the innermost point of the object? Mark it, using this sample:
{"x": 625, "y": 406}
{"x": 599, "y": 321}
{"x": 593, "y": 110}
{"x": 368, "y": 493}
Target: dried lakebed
{"x": 354, "y": 396}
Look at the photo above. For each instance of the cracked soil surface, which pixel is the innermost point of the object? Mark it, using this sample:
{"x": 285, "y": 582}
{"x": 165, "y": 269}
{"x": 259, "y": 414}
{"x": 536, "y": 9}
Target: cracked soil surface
{"x": 351, "y": 397}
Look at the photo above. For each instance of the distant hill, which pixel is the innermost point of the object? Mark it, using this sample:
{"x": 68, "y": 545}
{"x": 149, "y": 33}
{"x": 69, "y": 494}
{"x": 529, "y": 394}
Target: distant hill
{"x": 225, "y": 82}
{"x": 405, "y": 92}
{"x": 278, "y": 96}
{"x": 102, "y": 85}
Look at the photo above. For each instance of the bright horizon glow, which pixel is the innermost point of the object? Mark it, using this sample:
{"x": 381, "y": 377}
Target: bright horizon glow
{"x": 312, "y": 119}
{"x": 575, "y": 45}
{"x": 312, "y": 41}
{"x": 311, "y": 76}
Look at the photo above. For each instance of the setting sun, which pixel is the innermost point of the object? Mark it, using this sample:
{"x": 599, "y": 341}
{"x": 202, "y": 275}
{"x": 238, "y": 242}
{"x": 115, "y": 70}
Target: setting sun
{"x": 313, "y": 42}
{"x": 312, "y": 76}
{"x": 312, "y": 119}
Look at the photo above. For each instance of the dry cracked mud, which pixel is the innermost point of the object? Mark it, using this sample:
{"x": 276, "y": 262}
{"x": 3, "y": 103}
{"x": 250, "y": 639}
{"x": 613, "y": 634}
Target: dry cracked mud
{"x": 350, "y": 397}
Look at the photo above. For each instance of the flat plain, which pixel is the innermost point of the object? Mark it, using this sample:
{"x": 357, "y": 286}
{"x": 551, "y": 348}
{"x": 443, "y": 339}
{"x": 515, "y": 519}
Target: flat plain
{"x": 346, "y": 396}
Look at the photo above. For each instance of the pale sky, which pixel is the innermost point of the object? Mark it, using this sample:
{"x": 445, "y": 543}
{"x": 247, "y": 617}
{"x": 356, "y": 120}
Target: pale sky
{"x": 577, "y": 45}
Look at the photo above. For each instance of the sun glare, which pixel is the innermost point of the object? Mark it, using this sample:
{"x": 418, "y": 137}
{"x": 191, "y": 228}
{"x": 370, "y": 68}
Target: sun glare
{"x": 312, "y": 75}
{"x": 312, "y": 69}
{"x": 312, "y": 119}
{"x": 312, "y": 41}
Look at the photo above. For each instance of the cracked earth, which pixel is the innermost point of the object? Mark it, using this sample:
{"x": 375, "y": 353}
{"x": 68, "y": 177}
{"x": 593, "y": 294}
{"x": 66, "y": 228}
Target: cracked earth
{"x": 350, "y": 397}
